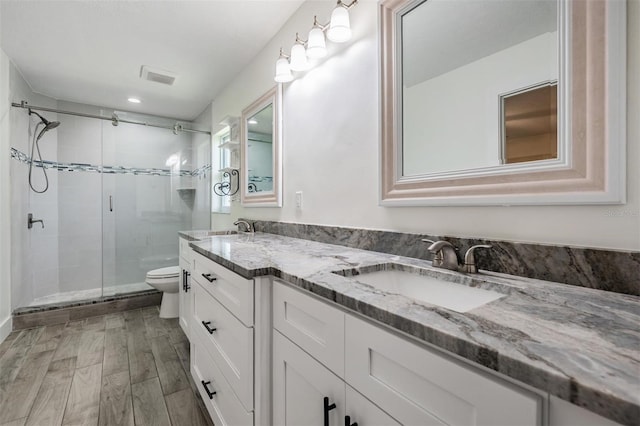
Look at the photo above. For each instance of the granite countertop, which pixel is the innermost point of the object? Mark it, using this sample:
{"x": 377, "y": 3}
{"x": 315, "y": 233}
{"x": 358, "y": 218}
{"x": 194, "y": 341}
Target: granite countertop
{"x": 579, "y": 344}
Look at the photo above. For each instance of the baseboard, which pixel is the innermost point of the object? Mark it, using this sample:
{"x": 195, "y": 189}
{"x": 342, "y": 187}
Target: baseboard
{"x": 5, "y": 328}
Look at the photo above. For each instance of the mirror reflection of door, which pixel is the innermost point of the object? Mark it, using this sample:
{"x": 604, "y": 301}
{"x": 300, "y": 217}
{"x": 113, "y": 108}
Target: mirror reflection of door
{"x": 530, "y": 124}
{"x": 260, "y": 150}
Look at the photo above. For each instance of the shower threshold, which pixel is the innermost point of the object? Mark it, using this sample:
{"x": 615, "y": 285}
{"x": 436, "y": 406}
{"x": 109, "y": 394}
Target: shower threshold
{"x": 75, "y": 310}
{"x": 74, "y": 296}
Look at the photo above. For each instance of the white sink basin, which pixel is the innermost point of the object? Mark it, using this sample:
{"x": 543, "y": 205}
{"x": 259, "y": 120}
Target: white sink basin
{"x": 432, "y": 290}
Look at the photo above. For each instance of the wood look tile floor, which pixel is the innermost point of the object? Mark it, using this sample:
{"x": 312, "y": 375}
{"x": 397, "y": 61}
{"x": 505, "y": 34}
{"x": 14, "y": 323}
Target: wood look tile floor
{"x": 126, "y": 368}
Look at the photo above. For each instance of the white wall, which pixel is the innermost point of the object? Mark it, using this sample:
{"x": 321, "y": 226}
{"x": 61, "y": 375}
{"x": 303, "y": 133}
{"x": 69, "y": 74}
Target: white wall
{"x": 331, "y": 150}
{"x": 443, "y": 114}
{"x": 5, "y": 212}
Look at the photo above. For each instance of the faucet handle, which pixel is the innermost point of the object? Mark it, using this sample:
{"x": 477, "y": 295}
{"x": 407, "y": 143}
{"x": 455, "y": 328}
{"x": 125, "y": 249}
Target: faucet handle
{"x": 470, "y": 258}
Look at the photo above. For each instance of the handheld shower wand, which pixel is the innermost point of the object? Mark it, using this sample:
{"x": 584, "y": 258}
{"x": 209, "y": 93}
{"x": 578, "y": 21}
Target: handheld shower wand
{"x": 48, "y": 125}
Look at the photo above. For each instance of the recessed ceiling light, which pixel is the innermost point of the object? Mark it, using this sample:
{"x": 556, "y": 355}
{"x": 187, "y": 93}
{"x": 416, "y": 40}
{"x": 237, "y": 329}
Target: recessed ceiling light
{"x": 252, "y": 121}
{"x": 134, "y": 100}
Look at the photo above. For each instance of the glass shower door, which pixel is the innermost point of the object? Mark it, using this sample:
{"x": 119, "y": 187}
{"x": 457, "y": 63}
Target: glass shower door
{"x": 147, "y": 200}
{"x": 79, "y": 208}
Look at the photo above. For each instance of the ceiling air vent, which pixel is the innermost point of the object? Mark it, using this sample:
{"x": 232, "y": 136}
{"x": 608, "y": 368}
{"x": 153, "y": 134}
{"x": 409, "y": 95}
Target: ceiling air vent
{"x": 158, "y": 75}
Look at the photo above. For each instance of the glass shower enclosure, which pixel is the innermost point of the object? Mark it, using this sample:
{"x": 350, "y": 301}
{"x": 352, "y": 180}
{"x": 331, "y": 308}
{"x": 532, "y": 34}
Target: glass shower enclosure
{"x": 118, "y": 195}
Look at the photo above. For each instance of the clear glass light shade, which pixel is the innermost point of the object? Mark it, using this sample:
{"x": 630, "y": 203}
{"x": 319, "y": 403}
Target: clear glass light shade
{"x": 316, "y": 46}
{"x": 299, "y": 58}
{"x": 339, "y": 28}
{"x": 283, "y": 71}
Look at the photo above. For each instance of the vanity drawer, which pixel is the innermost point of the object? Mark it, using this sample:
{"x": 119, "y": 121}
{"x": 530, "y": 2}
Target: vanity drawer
{"x": 229, "y": 343}
{"x": 224, "y": 407}
{"x": 416, "y": 385}
{"x": 315, "y": 326}
{"x": 233, "y": 291}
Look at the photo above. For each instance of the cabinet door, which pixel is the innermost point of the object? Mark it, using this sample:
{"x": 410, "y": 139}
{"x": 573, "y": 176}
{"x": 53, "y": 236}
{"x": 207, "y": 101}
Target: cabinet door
{"x": 364, "y": 412}
{"x": 300, "y": 386}
{"x": 417, "y": 385}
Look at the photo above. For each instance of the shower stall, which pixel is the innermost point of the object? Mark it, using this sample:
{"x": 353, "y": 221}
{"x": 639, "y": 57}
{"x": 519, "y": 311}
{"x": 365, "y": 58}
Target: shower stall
{"x": 119, "y": 187}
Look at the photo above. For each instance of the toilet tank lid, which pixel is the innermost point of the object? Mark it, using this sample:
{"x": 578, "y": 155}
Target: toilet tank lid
{"x": 171, "y": 271}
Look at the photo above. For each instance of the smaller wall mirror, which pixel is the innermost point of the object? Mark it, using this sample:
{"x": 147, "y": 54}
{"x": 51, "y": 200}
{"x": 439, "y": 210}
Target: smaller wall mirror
{"x": 261, "y": 150}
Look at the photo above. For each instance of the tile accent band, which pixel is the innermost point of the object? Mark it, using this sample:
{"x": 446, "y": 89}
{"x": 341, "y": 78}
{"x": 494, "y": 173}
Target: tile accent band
{"x": 610, "y": 270}
{"x": 83, "y": 167}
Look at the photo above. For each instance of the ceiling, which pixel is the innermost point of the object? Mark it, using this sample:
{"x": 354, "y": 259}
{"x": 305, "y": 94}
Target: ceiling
{"x": 91, "y": 51}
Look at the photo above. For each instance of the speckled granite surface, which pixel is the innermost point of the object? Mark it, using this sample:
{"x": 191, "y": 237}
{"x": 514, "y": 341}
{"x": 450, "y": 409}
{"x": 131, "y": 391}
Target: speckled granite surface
{"x": 611, "y": 270}
{"x": 579, "y": 344}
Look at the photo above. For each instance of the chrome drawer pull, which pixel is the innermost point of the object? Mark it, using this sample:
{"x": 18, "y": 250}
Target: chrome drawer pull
{"x": 209, "y": 278}
{"x": 206, "y": 325}
{"x": 205, "y": 385}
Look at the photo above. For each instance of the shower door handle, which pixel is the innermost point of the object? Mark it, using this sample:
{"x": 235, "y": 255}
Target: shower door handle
{"x": 110, "y": 203}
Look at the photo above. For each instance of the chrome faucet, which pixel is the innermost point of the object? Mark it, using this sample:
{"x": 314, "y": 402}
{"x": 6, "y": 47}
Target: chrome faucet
{"x": 470, "y": 259}
{"x": 248, "y": 226}
{"x": 446, "y": 256}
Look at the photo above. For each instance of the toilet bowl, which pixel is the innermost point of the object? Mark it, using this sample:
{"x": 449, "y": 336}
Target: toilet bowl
{"x": 166, "y": 280}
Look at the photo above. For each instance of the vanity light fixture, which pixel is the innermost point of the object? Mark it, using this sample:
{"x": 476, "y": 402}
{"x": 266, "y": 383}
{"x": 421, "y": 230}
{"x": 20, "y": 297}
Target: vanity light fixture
{"x": 299, "y": 60}
{"x": 283, "y": 70}
{"x": 316, "y": 45}
{"x": 339, "y": 27}
{"x": 338, "y": 31}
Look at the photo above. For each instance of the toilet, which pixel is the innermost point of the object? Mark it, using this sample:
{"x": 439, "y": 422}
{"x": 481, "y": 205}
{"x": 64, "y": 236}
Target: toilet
{"x": 166, "y": 280}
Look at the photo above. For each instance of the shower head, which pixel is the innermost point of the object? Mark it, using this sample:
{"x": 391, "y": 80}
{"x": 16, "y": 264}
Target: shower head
{"x": 48, "y": 125}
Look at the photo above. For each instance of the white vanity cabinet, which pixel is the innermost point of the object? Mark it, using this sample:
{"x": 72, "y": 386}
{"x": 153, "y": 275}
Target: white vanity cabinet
{"x": 308, "y": 376}
{"x": 382, "y": 378}
{"x": 417, "y": 385}
{"x": 185, "y": 301}
{"x": 227, "y": 344}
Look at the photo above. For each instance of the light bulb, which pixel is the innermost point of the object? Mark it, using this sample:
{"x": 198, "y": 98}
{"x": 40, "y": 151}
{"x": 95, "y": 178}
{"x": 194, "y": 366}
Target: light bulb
{"x": 316, "y": 46}
{"x": 283, "y": 71}
{"x": 299, "y": 58}
{"x": 339, "y": 28}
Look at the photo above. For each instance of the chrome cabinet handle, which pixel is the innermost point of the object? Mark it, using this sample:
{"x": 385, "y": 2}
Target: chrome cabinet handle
{"x": 209, "y": 278}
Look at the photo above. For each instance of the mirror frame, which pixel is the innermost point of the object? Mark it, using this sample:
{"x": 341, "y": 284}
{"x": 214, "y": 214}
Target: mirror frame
{"x": 593, "y": 110}
{"x": 272, "y": 198}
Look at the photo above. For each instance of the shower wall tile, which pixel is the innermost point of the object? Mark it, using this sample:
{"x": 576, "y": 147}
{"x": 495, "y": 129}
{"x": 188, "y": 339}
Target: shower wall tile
{"x": 31, "y": 249}
{"x": 75, "y": 278}
{"x": 201, "y": 157}
{"x": 80, "y": 140}
{"x": 45, "y": 281}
